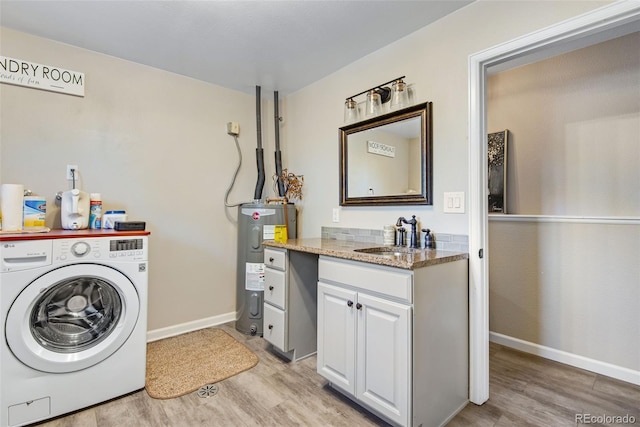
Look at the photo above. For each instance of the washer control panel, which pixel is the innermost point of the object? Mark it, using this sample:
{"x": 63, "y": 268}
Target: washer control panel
{"x": 100, "y": 248}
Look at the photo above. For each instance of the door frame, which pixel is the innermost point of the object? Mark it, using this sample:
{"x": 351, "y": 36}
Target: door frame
{"x": 608, "y": 22}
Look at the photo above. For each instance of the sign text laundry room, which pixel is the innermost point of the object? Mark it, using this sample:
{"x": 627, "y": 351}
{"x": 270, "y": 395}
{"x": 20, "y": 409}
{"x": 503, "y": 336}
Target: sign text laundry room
{"x": 25, "y": 73}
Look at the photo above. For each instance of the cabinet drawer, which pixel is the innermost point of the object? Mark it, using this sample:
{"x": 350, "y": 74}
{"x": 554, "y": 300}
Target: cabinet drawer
{"x": 275, "y": 326}
{"x": 387, "y": 281}
{"x": 275, "y": 287}
{"x": 275, "y": 258}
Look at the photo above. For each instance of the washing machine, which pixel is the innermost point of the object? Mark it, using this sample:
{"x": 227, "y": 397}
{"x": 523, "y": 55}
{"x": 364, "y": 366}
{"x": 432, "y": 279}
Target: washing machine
{"x": 73, "y": 313}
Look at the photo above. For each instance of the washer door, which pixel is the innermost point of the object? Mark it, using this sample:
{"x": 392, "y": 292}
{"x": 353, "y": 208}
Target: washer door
{"x": 72, "y": 318}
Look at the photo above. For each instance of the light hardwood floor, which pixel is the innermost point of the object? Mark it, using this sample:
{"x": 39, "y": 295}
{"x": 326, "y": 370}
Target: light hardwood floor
{"x": 524, "y": 391}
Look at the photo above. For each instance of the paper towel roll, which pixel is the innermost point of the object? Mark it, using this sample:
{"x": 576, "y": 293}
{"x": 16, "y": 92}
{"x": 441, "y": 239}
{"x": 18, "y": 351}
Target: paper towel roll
{"x": 11, "y": 204}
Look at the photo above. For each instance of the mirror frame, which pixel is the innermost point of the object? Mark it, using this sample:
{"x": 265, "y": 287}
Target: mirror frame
{"x": 424, "y": 112}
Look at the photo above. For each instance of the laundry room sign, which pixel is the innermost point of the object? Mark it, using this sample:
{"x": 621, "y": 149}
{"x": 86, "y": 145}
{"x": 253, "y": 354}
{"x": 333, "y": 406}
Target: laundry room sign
{"x": 46, "y": 77}
{"x": 382, "y": 149}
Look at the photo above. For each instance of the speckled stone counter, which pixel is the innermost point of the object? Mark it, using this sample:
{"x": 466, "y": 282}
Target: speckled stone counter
{"x": 415, "y": 259}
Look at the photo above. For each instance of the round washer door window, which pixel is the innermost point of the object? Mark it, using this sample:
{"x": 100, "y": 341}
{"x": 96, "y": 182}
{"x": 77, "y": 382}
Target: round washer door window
{"x": 72, "y": 318}
{"x": 75, "y": 314}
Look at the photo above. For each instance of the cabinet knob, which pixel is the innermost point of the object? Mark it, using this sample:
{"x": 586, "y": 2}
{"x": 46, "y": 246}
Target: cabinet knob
{"x": 271, "y": 259}
{"x": 270, "y": 288}
{"x": 349, "y": 303}
{"x": 270, "y": 326}
{"x": 358, "y": 306}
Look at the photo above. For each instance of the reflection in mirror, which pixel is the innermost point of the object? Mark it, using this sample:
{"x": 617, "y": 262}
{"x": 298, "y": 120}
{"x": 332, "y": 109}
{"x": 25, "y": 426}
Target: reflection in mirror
{"x": 373, "y": 153}
{"x": 387, "y": 160}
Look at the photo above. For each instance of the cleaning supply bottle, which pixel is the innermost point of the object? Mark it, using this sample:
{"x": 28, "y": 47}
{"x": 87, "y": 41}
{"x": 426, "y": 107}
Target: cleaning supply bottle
{"x": 35, "y": 211}
{"x": 95, "y": 211}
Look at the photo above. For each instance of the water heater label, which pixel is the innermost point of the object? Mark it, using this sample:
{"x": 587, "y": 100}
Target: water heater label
{"x": 254, "y": 276}
{"x": 268, "y": 232}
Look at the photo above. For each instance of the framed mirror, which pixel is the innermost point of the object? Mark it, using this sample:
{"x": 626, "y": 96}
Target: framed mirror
{"x": 387, "y": 160}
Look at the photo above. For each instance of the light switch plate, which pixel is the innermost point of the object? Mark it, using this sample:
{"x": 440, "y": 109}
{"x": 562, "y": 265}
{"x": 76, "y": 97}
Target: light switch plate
{"x": 336, "y": 214}
{"x": 454, "y": 202}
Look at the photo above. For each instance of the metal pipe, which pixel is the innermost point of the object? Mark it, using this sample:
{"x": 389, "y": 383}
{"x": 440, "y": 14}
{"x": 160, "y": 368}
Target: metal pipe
{"x": 281, "y": 190}
{"x": 258, "y": 117}
{"x": 257, "y": 195}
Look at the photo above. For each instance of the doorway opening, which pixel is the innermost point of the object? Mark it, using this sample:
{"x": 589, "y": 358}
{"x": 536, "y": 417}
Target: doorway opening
{"x": 609, "y": 22}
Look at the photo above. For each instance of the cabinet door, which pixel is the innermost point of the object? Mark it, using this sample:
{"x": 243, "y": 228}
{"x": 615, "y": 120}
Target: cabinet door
{"x": 336, "y": 336}
{"x": 384, "y": 356}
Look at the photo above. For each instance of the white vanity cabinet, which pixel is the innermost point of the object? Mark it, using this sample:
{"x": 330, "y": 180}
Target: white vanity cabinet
{"x": 365, "y": 348}
{"x": 290, "y": 320}
{"x": 395, "y": 340}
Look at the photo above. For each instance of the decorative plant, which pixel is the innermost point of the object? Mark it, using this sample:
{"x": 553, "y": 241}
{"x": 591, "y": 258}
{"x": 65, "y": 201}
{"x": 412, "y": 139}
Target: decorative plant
{"x": 292, "y": 184}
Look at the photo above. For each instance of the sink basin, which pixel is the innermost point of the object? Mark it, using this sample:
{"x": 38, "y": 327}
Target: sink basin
{"x": 388, "y": 251}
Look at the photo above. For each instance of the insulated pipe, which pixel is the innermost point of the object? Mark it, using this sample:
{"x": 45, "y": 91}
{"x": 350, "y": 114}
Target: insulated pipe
{"x": 258, "y": 120}
{"x": 257, "y": 195}
{"x": 281, "y": 191}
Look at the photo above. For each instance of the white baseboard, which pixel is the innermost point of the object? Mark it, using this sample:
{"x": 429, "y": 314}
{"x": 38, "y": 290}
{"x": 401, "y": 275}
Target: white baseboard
{"x": 604, "y": 368}
{"x": 183, "y": 328}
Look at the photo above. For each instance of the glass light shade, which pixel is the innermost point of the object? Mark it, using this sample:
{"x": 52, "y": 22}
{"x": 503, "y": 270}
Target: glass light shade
{"x": 374, "y": 105}
{"x": 351, "y": 111}
{"x": 400, "y": 95}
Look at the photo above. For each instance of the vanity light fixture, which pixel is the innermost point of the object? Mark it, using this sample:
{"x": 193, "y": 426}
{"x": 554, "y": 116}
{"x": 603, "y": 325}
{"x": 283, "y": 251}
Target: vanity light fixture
{"x": 376, "y": 97}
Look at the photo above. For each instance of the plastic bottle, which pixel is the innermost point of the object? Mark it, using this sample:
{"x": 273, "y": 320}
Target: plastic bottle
{"x": 34, "y": 212}
{"x": 95, "y": 211}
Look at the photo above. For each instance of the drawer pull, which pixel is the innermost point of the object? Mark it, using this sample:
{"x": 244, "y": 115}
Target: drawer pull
{"x": 359, "y": 306}
{"x": 271, "y": 288}
{"x": 349, "y": 303}
{"x": 271, "y": 260}
{"x": 270, "y": 326}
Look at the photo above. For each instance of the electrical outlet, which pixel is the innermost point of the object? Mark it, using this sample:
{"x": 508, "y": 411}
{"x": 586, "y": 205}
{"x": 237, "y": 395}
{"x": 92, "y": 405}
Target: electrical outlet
{"x": 336, "y": 214}
{"x": 233, "y": 128}
{"x": 69, "y": 174}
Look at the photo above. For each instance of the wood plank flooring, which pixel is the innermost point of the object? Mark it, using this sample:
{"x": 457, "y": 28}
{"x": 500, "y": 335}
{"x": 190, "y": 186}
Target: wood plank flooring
{"x": 525, "y": 391}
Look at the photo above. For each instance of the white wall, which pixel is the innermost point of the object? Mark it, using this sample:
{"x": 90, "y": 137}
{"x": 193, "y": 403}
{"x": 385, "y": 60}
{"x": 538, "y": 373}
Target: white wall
{"x": 153, "y": 143}
{"x": 435, "y": 60}
{"x": 570, "y": 285}
{"x": 574, "y": 129}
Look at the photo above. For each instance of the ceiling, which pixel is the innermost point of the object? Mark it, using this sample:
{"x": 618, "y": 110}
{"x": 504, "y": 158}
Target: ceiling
{"x": 278, "y": 45}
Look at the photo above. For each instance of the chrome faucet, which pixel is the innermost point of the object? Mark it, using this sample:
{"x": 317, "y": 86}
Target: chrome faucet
{"x": 413, "y": 239}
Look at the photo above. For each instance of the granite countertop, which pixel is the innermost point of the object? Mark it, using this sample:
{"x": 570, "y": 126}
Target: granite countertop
{"x": 416, "y": 258}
